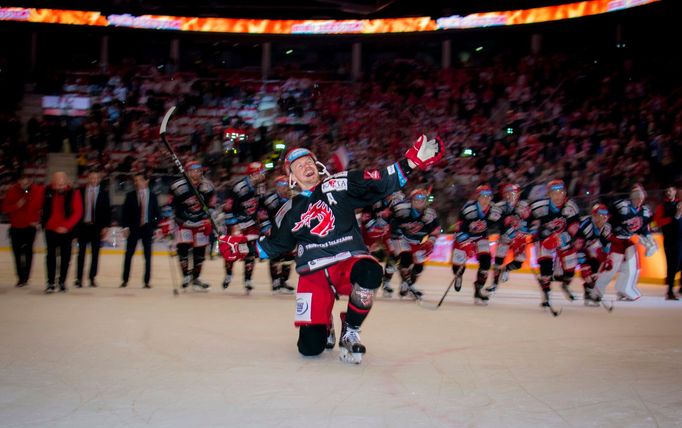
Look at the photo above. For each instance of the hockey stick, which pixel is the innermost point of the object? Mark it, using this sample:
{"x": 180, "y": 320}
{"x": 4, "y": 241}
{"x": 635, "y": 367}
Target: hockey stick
{"x": 425, "y": 304}
{"x": 174, "y": 279}
{"x": 178, "y": 164}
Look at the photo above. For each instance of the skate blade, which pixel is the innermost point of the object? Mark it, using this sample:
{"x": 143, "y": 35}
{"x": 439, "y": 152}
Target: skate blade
{"x": 481, "y": 302}
{"x": 350, "y": 357}
{"x": 199, "y": 289}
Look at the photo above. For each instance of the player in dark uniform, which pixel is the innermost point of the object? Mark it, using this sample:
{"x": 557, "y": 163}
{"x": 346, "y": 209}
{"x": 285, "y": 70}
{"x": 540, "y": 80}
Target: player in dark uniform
{"x": 414, "y": 229}
{"x": 511, "y": 215}
{"x": 629, "y": 217}
{"x": 592, "y": 243}
{"x": 193, "y": 225}
{"x": 554, "y": 222}
{"x": 280, "y": 268}
{"x": 331, "y": 257}
{"x": 471, "y": 240}
{"x": 245, "y": 219}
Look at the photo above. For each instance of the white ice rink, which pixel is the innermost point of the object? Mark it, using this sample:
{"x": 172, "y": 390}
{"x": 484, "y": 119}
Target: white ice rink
{"x": 111, "y": 357}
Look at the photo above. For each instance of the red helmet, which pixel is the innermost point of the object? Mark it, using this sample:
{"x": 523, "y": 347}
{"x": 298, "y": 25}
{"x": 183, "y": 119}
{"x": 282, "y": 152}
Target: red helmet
{"x": 600, "y": 209}
{"x": 282, "y": 180}
{"x": 556, "y": 185}
{"x": 419, "y": 194}
{"x": 483, "y": 190}
{"x": 193, "y": 165}
{"x": 511, "y": 187}
{"x": 295, "y": 154}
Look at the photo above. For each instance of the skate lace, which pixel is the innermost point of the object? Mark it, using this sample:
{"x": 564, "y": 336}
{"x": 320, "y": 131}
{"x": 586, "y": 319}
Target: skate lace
{"x": 351, "y": 336}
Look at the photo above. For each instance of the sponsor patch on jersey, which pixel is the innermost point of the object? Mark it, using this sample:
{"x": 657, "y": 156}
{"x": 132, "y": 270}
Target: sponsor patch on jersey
{"x": 372, "y": 174}
{"x": 300, "y": 250}
{"x": 322, "y": 213}
{"x": 335, "y": 184}
{"x": 303, "y": 306}
{"x": 391, "y": 169}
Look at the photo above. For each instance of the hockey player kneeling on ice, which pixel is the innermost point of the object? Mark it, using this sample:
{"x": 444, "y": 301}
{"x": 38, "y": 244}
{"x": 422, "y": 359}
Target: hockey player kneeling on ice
{"x": 331, "y": 258}
{"x": 471, "y": 240}
{"x": 554, "y": 222}
{"x": 193, "y": 225}
{"x": 592, "y": 243}
{"x": 512, "y": 217}
{"x": 630, "y": 217}
{"x": 414, "y": 228}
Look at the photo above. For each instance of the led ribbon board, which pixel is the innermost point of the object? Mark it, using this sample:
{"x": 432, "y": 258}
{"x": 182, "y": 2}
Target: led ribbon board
{"x": 359, "y": 26}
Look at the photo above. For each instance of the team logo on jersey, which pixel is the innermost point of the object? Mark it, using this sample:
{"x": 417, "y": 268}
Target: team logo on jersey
{"x": 557, "y": 225}
{"x": 478, "y": 226}
{"x": 324, "y": 216}
{"x": 335, "y": 184}
{"x": 634, "y": 224}
{"x": 250, "y": 205}
{"x": 372, "y": 174}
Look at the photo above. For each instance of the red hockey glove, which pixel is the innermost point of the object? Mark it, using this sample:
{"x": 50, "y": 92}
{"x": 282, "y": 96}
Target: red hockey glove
{"x": 518, "y": 244}
{"x": 425, "y": 152}
{"x": 206, "y": 227}
{"x": 233, "y": 248}
{"x": 607, "y": 264}
{"x": 427, "y": 247}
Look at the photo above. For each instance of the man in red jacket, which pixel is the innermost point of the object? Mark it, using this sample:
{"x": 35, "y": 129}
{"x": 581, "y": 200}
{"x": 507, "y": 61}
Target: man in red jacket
{"x": 22, "y": 204}
{"x": 62, "y": 210}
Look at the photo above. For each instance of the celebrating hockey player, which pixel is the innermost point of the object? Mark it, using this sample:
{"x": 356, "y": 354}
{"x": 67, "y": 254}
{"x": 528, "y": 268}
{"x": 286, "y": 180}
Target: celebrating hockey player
{"x": 193, "y": 224}
{"x": 414, "y": 229}
{"x": 331, "y": 257}
{"x": 512, "y": 216}
{"x": 630, "y": 217}
{"x": 554, "y": 222}
{"x": 471, "y": 240}
{"x": 245, "y": 219}
{"x": 280, "y": 267}
{"x": 591, "y": 243}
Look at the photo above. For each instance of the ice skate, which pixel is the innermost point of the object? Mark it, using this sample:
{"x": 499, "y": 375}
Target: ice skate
{"x": 186, "y": 281}
{"x": 458, "y": 283}
{"x": 49, "y": 289}
{"x": 351, "y": 349}
{"x": 625, "y": 298}
{"x": 407, "y": 289}
{"x": 199, "y": 285}
{"x": 331, "y": 338}
{"x": 479, "y": 297}
{"x": 248, "y": 286}
{"x": 591, "y": 300}
{"x": 227, "y": 281}
{"x": 286, "y": 288}
{"x": 387, "y": 290}
{"x": 276, "y": 286}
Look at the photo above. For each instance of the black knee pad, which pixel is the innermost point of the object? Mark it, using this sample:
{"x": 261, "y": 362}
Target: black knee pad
{"x": 417, "y": 269}
{"x": 514, "y": 265}
{"x": 484, "y": 261}
{"x": 405, "y": 260}
{"x": 367, "y": 273}
{"x": 312, "y": 339}
{"x": 183, "y": 250}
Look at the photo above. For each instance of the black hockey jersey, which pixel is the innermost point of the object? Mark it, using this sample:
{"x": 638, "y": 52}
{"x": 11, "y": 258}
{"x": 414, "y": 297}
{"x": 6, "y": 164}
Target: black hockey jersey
{"x": 548, "y": 219}
{"x": 187, "y": 208}
{"x": 589, "y": 236}
{"x": 473, "y": 222}
{"x": 511, "y": 219}
{"x": 272, "y": 203}
{"x": 628, "y": 220}
{"x": 321, "y": 222}
{"x": 412, "y": 225}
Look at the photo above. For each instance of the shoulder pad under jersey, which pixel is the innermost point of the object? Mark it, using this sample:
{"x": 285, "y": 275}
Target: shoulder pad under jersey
{"x": 622, "y": 206}
{"x": 282, "y": 212}
{"x": 469, "y": 210}
{"x": 242, "y": 188}
{"x": 429, "y": 215}
{"x": 270, "y": 200}
{"x": 402, "y": 208}
{"x": 570, "y": 209}
{"x": 540, "y": 207}
{"x": 179, "y": 186}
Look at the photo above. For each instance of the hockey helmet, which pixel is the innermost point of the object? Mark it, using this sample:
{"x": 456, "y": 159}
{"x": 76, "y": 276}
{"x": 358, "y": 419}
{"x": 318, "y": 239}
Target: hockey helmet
{"x": 638, "y": 192}
{"x": 419, "y": 194}
{"x": 511, "y": 188}
{"x": 483, "y": 190}
{"x": 600, "y": 210}
{"x": 193, "y": 165}
{"x": 295, "y": 154}
{"x": 556, "y": 186}
{"x": 281, "y": 181}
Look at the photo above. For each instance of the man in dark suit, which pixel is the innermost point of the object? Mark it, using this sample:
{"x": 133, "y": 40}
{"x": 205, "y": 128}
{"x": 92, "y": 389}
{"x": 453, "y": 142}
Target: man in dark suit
{"x": 139, "y": 218}
{"x": 93, "y": 225}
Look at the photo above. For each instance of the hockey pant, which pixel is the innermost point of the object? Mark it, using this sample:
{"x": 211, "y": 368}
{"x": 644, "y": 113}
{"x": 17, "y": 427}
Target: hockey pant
{"x": 480, "y": 249}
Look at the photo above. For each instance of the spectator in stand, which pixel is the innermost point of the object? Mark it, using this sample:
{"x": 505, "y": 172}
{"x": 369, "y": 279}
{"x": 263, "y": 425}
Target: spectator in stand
{"x": 668, "y": 217}
{"x": 22, "y": 204}
{"x": 139, "y": 219}
{"x": 93, "y": 226}
{"x": 62, "y": 210}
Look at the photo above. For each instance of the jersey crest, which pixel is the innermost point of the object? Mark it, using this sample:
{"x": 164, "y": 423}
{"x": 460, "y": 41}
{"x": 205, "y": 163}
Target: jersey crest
{"x": 320, "y": 212}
